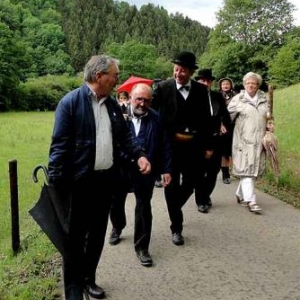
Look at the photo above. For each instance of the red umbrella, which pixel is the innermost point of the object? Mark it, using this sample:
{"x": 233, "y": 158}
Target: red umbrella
{"x": 131, "y": 81}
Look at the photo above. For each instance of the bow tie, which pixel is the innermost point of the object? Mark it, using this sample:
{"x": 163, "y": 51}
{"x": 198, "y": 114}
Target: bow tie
{"x": 185, "y": 87}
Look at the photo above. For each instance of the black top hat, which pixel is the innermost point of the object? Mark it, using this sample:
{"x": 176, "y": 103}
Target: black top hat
{"x": 205, "y": 73}
{"x": 186, "y": 59}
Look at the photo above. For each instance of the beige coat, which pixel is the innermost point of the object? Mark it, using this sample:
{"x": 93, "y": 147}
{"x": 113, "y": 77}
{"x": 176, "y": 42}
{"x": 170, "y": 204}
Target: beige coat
{"x": 248, "y": 155}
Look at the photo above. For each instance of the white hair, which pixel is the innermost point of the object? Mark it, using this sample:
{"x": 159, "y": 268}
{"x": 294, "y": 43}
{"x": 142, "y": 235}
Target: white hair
{"x": 257, "y": 77}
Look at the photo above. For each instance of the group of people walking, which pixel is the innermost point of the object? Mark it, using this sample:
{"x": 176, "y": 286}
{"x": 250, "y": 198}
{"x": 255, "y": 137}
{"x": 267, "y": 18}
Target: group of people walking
{"x": 100, "y": 152}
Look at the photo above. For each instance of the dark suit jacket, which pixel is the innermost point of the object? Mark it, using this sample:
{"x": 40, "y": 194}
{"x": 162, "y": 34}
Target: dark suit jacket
{"x": 220, "y": 115}
{"x": 166, "y": 102}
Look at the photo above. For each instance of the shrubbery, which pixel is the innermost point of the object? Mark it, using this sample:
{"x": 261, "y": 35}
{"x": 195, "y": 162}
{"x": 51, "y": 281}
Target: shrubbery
{"x": 43, "y": 93}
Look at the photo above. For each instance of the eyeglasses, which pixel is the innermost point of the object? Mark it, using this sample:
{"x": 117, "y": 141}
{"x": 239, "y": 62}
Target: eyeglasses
{"x": 115, "y": 76}
{"x": 141, "y": 99}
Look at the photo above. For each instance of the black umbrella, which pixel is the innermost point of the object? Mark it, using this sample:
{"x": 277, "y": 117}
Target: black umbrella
{"x": 51, "y": 213}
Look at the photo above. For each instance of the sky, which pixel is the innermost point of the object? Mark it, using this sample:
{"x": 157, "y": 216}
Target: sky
{"x": 202, "y": 11}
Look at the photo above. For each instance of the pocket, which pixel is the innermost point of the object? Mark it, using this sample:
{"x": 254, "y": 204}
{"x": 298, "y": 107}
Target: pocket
{"x": 240, "y": 160}
{"x": 83, "y": 151}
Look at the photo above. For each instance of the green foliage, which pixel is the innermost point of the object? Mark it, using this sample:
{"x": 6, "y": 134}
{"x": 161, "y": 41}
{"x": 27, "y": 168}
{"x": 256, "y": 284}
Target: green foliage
{"x": 107, "y": 22}
{"x": 86, "y": 28}
{"x": 247, "y": 37}
{"x": 286, "y": 112}
{"x": 39, "y": 38}
{"x": 284, "y": 69}
{"x": 256, "y": 22}
{"x": 139, "y": 60}
{"x": 31, "y": 44}
{"x": 43, "y": 93}
{"x": 12, "y": 54}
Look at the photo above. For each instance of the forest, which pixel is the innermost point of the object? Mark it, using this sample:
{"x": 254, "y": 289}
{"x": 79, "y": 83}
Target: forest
{"x": 44, "y": 44}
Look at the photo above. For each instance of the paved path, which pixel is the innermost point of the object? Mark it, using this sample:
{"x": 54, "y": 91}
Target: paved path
{"x": 229, "y": 254}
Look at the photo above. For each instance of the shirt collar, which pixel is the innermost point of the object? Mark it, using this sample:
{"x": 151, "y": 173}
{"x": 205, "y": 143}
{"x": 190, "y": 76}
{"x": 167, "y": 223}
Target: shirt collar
{"x": 180, "y": 85}
{"x": 94, "y": 95}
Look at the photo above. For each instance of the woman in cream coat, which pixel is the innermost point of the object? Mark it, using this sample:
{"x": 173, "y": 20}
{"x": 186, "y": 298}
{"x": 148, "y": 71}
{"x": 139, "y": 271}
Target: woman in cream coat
{"x": 249, "y": 109}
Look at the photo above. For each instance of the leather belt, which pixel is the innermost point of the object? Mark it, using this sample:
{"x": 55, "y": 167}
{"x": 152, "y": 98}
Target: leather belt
{"x": 102, "y": 171}
{"x": 183, "y": 137}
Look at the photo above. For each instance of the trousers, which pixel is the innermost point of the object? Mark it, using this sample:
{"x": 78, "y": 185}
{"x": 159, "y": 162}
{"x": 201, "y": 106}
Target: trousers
{"x": 186, "y": 177}
{"x": 142, "y": 187}
{"x": 245, "y": 189}
{"x": 90, "y": 204}
{"x": 208, "y": 181}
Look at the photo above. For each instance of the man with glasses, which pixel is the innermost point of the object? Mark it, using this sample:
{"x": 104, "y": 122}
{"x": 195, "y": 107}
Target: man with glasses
{"x": 149, "y": 133}
{"x": 89, "y": 130}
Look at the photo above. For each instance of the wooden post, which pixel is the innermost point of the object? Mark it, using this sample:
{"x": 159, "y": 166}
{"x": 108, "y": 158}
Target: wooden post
{"x": 14, "y": 202}
{"x": 270, "y": 92}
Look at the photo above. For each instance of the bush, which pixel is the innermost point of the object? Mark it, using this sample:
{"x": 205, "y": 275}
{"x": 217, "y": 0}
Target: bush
{"x": 43, "y": 93}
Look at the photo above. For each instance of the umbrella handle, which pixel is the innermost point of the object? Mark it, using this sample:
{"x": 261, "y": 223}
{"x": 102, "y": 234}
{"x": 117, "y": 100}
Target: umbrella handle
{"x": 36, "y": 169}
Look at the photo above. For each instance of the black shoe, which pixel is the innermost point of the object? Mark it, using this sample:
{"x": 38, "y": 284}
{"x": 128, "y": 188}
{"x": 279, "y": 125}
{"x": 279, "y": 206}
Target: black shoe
{"x": 238, "y": 199}
{"x": 145, "y": 258}
{"x": 158, "y": 184}
{"x": 114, "y": 238}
{"x": 226, "y": 180}
{"x": 203, "y": 209}
{"x": 209, "y": 203}
{"x": 177, "y": 239}
{"x": 95, "y": 291}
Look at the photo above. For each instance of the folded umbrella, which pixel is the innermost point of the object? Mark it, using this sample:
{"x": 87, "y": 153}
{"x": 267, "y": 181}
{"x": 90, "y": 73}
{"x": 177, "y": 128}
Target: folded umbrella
{"x": 51, "y": 212}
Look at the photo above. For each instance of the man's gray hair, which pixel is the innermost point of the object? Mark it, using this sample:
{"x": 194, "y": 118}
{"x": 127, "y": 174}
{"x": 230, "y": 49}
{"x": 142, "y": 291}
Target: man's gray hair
{"x": 97, "y": 63}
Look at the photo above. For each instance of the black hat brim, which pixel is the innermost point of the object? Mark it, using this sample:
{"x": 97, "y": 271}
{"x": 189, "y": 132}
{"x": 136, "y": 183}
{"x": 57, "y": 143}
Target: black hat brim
{"x": 203, "y": 77}
{"x": 181, "y": 63}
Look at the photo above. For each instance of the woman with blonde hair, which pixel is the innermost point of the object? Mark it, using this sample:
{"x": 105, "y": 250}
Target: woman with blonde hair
{"x": 249, "y": 109}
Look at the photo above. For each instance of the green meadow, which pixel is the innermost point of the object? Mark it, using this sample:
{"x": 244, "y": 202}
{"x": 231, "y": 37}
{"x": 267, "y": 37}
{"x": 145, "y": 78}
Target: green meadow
{"x": 33, "y": 273}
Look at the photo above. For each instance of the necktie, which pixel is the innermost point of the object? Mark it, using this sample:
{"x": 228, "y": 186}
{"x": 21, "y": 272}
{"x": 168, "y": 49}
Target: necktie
{"x": 185, "y": 87}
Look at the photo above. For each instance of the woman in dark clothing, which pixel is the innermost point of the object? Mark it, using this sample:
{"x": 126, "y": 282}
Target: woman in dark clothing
{"x": 123, "y": 100}
{"x": 227, "y": 91}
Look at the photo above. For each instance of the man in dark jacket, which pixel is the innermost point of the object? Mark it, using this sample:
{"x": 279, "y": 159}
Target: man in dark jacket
{"x": 184, "y": 107}
{"x": 147, "y": 127}
{"x": 220, "y": 122}
{"x": 89, "y": 131}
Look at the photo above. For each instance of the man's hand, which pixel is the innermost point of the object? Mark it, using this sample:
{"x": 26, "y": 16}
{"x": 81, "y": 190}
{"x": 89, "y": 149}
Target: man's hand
{"x": 166, "y": 179}
{"x": 223, "y": 129}
{"x": 208, "y": 154}
{"x": 144, "y": 164}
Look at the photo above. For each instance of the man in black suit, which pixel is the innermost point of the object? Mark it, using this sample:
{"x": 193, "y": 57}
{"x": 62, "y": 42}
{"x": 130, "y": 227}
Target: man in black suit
{"x": 184, "y": 107}
{"x": 220, "y": 121}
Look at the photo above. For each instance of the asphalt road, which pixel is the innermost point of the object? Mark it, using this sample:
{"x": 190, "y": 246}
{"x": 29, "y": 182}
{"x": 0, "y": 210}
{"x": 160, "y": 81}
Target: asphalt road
{"x": 229, "y": 253}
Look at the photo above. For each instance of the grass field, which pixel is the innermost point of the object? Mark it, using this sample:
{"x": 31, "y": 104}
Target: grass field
{"x": 286, "y": 115}
{"x": 25, "y": 137}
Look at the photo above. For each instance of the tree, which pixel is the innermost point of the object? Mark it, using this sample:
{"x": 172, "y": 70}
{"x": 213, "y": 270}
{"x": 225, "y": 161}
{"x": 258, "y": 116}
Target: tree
{"x": 285, "y": 67}
{"x": 248, "y": 39}
{"x": 256, "y": 21}
{"x": 139, "y": 60}
{"x": 13, "y": 58}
